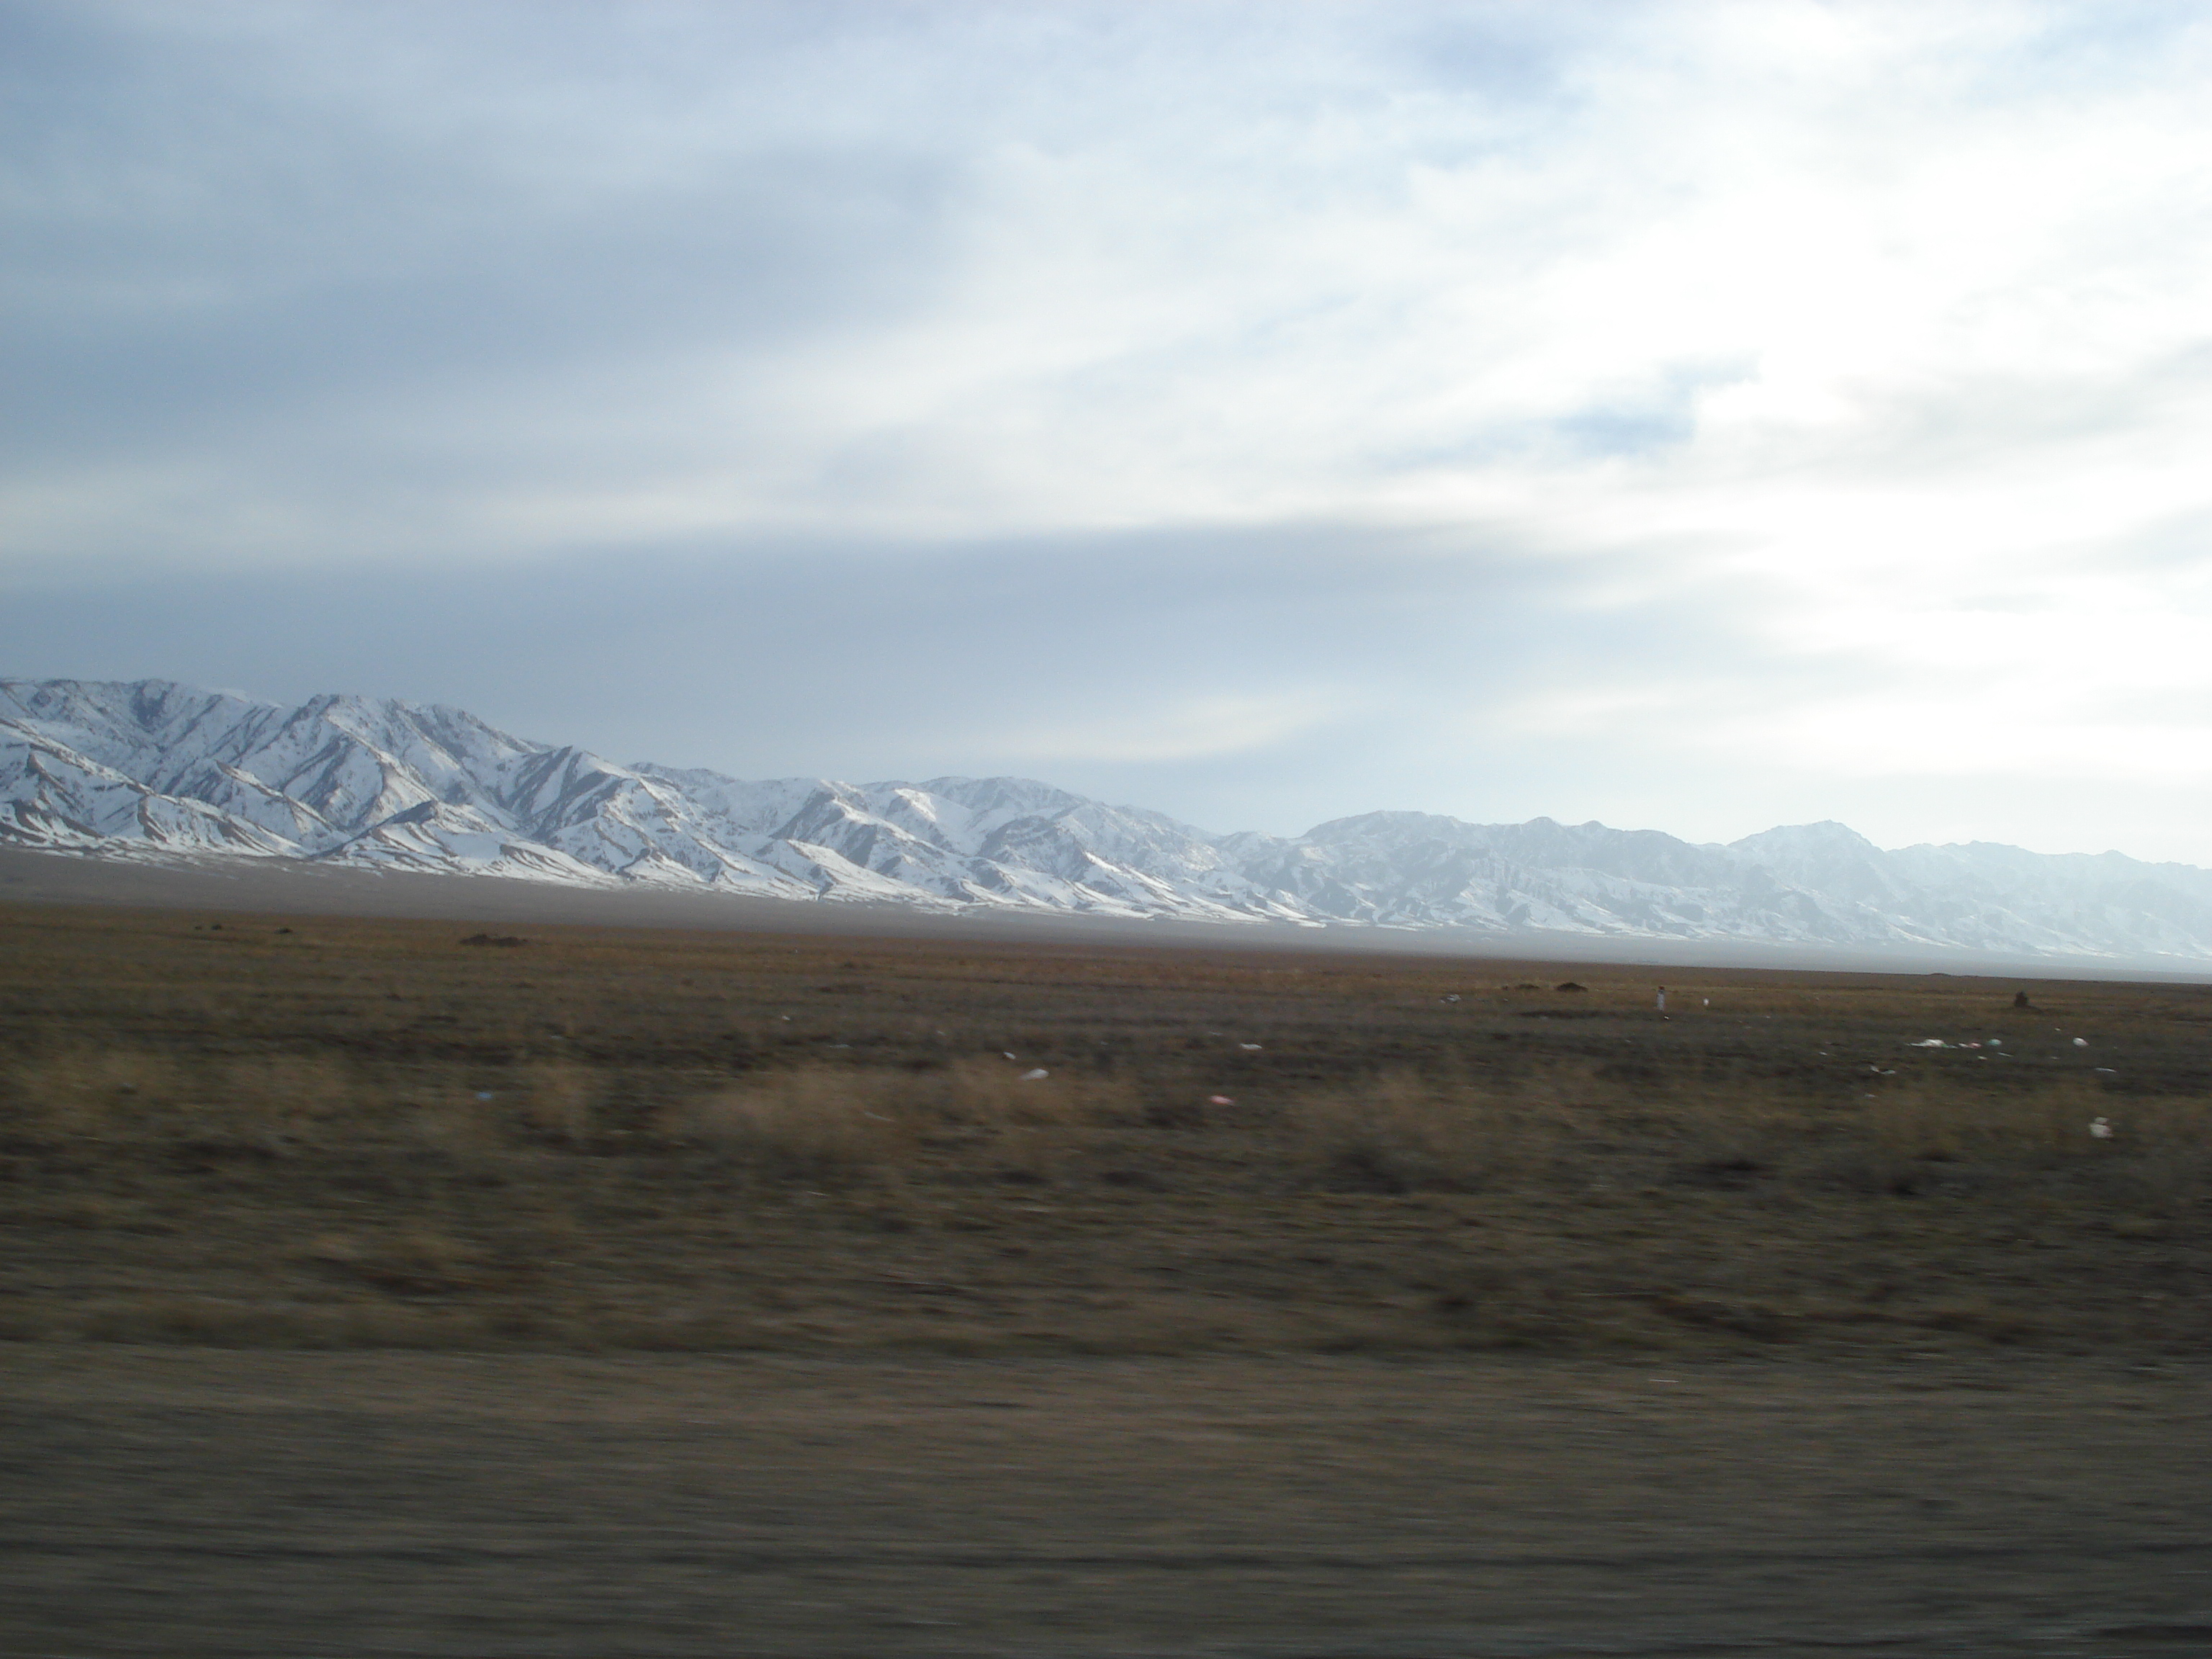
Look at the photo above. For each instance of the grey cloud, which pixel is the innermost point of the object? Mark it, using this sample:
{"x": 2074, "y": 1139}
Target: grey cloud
{"x": 876, "y": 662}
{"x": 203, "y": 259}
{"x": 751, "y": 262}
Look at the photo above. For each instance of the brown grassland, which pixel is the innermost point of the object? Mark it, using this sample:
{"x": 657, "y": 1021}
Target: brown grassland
{"x": 325, "y": 1132}
{"x": 385, "y": 1287}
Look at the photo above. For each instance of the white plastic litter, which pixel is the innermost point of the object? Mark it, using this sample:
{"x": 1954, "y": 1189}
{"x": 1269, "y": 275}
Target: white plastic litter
{"x": 1220, "y": 1100}
{"x": 2101, "y": 1127}
{"x": 2081, "y": 1042}
{"x": 1009, "y": 1053}
{"x": 1929, "y": 1042}
{"x": 1034, "y": 1073}
{"x": 1253, "y": 1047}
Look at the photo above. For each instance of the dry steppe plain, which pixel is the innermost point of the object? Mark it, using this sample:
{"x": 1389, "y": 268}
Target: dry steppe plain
{"x": 377, "y": 1285}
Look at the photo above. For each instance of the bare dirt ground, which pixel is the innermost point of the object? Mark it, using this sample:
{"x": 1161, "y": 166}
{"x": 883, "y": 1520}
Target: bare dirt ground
{"x": 375, "y": 1287}
{"x": 220, "y": 1502}
{"x": 191, "y": 1502}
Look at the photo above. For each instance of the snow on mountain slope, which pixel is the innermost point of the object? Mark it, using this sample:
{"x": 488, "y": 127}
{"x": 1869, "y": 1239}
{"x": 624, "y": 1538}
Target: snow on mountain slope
{"x": 154, "y": 769}
{"x": 51, "y": 796}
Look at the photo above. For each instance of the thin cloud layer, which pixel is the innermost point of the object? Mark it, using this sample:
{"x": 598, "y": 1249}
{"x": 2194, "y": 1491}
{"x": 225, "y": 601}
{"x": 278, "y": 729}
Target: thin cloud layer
{"x": 1713, "y": 414}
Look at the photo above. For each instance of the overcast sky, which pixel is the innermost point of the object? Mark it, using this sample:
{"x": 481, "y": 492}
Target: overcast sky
{"x": 1695, "y": 417}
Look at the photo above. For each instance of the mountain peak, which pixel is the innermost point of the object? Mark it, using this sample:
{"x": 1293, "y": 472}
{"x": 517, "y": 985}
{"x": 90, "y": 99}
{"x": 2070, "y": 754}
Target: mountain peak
{"x": 1826, "y": 835}
{"x": 126, "y": 768}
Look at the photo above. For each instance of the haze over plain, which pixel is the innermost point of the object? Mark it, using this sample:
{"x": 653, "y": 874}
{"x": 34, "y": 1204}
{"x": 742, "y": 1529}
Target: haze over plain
{"x": 1700, "y": 416}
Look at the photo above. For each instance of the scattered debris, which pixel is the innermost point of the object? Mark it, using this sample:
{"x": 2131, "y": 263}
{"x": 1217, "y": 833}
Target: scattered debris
{"x": 1009, "y": 1053}
{"x": 2101, "y": 1127}
{"x": 1929, "y": 1042}
{"x": 1253, "y": 1047}
{"x": 1220, "y": 1100}
{"x": 1453, "y": 998}
{"x": 2081, "y": 1042}
{"x": 1034, "y": 1073}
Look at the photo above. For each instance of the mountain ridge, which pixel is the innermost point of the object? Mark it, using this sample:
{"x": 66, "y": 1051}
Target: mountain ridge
{"x": 151, "y": 767}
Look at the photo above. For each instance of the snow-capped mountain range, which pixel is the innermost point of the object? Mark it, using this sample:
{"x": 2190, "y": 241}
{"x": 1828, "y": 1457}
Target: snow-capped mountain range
{"x": 153, "y": 769}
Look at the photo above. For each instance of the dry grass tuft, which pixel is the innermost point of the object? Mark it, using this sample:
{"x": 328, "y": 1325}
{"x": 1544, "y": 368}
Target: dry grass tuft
{"x": 992, "y": 1093}
{"x": 1401, "y": 1133}
{"x": 560, "y": 1102}
{"x": 92, "y": 1093}
{"x": 820, "y": 1126}
{"x": 124, "y": 1095}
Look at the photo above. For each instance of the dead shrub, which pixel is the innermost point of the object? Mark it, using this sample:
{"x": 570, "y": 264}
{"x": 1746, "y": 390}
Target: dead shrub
{"x": 2162, "y": 1147}
{"x": 124, "y": 1095}
{"x": 560, "y": 1102}
{"x": 1403, "y": 1133}
{"x": 1933, "y": 1122}
{"x": 989, "y": 1093}
{"x": 99, "y": 1093}
{"x": 819, "y": 1126}
{"x": 279, "y": 1098}
{"x": 1937, "y": 1132}
{"x": 462, "y": 1124}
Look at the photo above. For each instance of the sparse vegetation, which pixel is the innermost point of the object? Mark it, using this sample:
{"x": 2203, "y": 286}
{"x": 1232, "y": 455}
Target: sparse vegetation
{"x": 361, "y": 1134}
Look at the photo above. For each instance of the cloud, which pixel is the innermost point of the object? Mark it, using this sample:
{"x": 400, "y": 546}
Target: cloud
{"x": 463, "y": 276}
{"x": 1701, "y": 412}
{"x": 1180, "y": 729}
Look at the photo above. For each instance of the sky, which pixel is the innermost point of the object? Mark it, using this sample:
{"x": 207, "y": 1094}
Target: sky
{"x": 1693, "y": 416}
